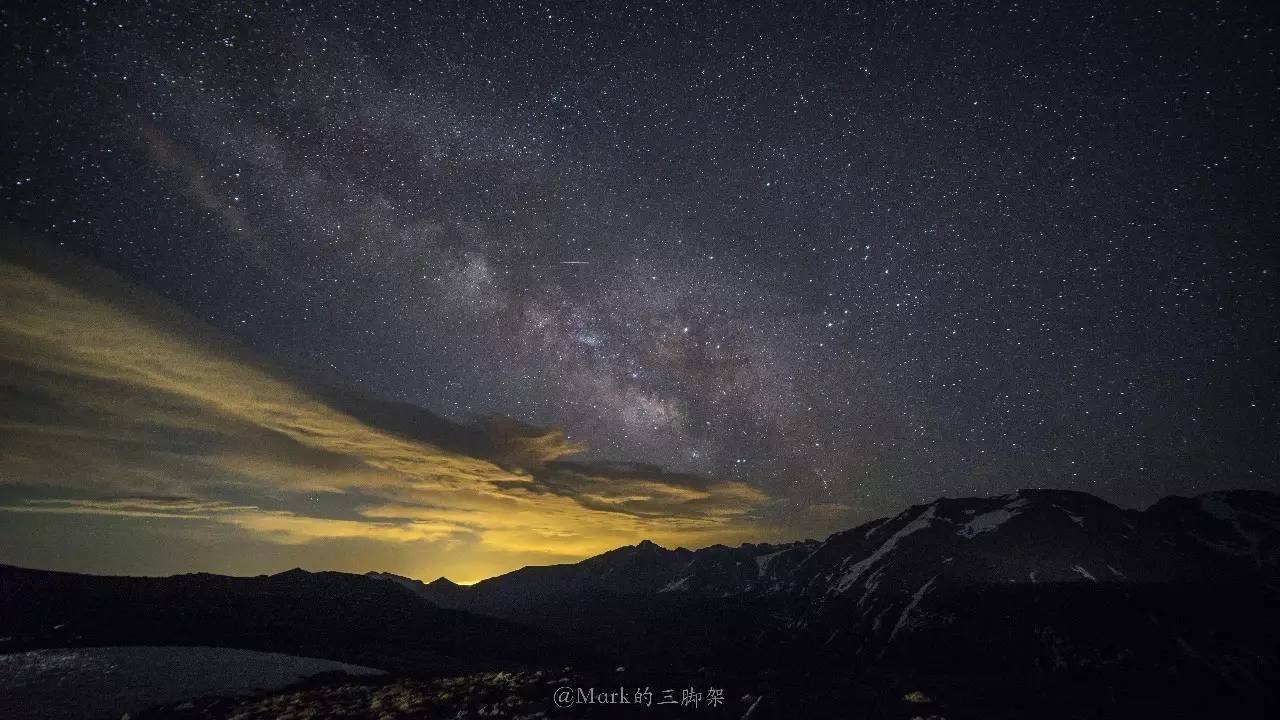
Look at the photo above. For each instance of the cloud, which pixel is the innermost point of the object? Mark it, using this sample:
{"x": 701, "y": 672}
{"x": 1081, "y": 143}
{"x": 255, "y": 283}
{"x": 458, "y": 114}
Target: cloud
{"x": 520, "y": 445}
{"x": 122, "y": 406}
{"x": 276, "y": 526}
{"x": 184, "y": 508}
{"x": 289, "y": 529}
{"x": 649, "y": 491}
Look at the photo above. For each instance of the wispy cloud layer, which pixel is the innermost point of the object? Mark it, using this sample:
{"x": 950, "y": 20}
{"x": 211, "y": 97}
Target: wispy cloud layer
{"x": 118, "y": 405}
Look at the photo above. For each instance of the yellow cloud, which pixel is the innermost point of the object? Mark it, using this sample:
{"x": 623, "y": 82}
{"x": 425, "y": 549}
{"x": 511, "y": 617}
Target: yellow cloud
{"x": 277, "y": 526}
{"x": 290, "y": 529}
{"x": 110, "y": 392}
{"x": 519, "y": 445}
{"x": 180, "y": 508}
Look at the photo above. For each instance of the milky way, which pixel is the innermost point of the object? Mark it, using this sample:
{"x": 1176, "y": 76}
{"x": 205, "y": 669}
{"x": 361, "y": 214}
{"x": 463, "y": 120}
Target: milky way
{"x": 853, "y": 256}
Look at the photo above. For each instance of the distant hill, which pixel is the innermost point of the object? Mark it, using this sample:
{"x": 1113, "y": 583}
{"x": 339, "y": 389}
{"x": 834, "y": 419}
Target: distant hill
{"x": 330, "y": 615}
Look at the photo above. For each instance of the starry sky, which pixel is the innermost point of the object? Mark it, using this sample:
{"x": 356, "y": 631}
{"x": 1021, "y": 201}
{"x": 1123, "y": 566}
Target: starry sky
{"x": 697, "y": 271}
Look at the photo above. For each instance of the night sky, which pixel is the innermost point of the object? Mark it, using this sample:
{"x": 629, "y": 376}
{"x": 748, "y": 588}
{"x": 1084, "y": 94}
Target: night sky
{"x": 838, "y": 258}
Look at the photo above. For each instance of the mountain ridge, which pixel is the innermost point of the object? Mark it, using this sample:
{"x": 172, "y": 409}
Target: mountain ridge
{"x": 1025, "y": 598}
{"x": 994, "y": 513}
{"x": 332, "y": 615}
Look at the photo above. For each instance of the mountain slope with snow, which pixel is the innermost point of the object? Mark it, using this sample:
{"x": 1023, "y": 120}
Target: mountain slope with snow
{"x": 1037, "y": 582}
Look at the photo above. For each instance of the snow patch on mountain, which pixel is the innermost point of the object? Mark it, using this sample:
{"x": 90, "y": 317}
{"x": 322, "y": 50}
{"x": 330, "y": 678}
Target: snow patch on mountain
{"x": 1084, "y": 572}
{"x": 1078, "y": 520}
{"x": 870, "y": 586}
{"x": 911, "y": 606}
{"x": 852, "y": 574}
{"x": 676, "y": 585}
{"x": 989, "y": 521}
{"x": 1221, "y": 510}
{"x": 762, "y": 561}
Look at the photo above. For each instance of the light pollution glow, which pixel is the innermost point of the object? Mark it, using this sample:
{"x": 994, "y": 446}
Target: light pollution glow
{"x": 123, "y": 409}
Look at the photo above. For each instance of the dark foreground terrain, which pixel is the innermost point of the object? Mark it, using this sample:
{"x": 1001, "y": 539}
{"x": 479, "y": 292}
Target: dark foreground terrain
{"x": 110, "y": 681}
{"x": 1036, "y": 604}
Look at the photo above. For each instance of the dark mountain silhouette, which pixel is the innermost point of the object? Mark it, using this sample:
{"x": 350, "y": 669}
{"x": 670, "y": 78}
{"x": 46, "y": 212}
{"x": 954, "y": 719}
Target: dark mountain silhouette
{"x": 329, "y": 615}
{"x": 1030, "y": 537}
{"x": 1052, "y": 603}
{"x": 1040, "y": 593}
{"x": 646, "y": 569}
{"x": 441, "y": 591}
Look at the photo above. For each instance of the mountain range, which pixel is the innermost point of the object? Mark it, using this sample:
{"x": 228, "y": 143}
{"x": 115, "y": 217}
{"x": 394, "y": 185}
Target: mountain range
{"x": 1044, "y": 599}
{"x": 1044, "y": 592}
{"x": 1031, "y": 536}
